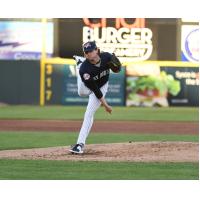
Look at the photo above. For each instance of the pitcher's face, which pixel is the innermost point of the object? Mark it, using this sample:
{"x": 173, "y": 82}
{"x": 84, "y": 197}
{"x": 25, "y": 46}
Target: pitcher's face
{"x": 92, "y": 56}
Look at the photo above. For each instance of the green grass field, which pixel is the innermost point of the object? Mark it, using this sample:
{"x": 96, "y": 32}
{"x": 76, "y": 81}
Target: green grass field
{"x": 25, "y": 140}
{"x": 119, "y": 113}
{"x": 58, "y": 170}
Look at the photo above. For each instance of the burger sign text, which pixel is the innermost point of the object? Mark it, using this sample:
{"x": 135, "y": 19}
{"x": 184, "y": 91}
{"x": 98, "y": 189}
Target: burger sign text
{"x": 127, "y": 41}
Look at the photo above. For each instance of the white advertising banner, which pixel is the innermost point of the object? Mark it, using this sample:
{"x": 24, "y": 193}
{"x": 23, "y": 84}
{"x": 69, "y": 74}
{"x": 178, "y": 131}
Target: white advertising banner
{"x": 190, "y": 43}
{"x": 23, "y": 40}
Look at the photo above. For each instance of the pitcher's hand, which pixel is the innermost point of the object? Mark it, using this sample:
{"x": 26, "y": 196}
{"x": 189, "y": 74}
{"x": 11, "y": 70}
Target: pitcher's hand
{"x": 108, "y": 109}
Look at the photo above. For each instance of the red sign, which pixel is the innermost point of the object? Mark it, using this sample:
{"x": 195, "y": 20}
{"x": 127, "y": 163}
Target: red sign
{"x": 119, "y": 22}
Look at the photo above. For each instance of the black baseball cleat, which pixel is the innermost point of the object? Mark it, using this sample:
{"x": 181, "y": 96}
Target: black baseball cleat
{"x": 77, "y": 149}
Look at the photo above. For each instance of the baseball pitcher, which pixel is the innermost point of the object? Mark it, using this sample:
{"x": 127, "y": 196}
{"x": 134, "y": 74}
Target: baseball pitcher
{"x": 92, "y": 79}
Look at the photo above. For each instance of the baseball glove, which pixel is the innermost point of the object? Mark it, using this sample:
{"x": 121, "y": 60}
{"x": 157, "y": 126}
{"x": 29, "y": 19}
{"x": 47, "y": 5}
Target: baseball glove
{"x": 114, "y": 64}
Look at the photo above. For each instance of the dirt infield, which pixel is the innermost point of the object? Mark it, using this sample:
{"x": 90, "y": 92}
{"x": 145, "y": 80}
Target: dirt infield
{"x": 102, "y": 126}
{"x": 136, "y": 151}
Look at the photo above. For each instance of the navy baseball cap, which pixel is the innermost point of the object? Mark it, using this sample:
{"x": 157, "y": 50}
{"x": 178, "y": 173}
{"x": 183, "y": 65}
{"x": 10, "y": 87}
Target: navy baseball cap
{"x": 89, "y": 46}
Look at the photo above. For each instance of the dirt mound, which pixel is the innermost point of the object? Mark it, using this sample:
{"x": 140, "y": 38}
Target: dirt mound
{"x": 135, "y": 151}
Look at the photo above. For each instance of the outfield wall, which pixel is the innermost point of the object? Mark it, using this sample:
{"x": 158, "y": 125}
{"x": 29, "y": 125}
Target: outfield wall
{"x": 54, "y": 82}
{"x": 19, "y": 82}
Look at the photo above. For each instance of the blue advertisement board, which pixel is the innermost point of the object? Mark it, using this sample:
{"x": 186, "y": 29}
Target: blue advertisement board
{"x": 23, "y": 40}
{"x": 189, "y": 83}
{"x": 61, "y": 86}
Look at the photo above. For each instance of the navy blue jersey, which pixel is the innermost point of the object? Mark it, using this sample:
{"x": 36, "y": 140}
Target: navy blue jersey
{"x": 95, "y": 76}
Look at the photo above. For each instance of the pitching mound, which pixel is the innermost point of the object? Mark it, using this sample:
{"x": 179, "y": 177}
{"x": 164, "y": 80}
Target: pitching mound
{"x": 135, "y": 151}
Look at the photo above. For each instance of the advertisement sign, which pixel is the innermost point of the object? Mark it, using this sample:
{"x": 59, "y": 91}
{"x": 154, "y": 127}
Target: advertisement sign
{"x": 190, "y": 43}
{"x": 151, "y": 90}
{"x": 61, "y": 86}
{"x": 129, "y": 41}
{"x": 23, "y": 40}
{"x": 189, "y": 82}
{"x": 162, "y": 85}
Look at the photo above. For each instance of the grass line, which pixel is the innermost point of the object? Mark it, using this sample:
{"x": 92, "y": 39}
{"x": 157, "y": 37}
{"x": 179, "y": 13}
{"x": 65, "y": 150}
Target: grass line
{"x": 68, "y": 170}
{"x": 119, "y": 113}
{"x": 23, "y": 140}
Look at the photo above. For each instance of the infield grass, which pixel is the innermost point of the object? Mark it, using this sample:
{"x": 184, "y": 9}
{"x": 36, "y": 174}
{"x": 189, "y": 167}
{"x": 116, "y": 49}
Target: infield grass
{"x": 68, "y": 170}
{"x": 23, "y": 140}
{"x": 119, "y": 113}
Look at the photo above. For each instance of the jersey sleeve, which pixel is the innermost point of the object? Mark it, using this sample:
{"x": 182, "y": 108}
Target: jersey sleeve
{"x": 108, "y": 56}
{"x": 90, "y": 83}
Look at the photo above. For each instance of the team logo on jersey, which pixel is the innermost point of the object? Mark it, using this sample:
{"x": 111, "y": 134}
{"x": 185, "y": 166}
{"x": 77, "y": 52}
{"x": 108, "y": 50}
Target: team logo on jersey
{"x": 86, "y": 76}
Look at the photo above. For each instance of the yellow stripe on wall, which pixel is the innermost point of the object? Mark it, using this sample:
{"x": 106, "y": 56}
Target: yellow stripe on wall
{"x": 165, "y": 63}
{"x": 42, "y": 63}
{"x": 160, "y": 63}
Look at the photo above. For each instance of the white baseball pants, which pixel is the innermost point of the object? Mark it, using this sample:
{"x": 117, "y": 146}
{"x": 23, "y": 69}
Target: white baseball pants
{"x": 93, "y": 105}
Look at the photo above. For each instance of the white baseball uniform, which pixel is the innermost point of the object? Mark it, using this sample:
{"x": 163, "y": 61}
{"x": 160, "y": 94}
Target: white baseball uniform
{"x": 93, "y": 104}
